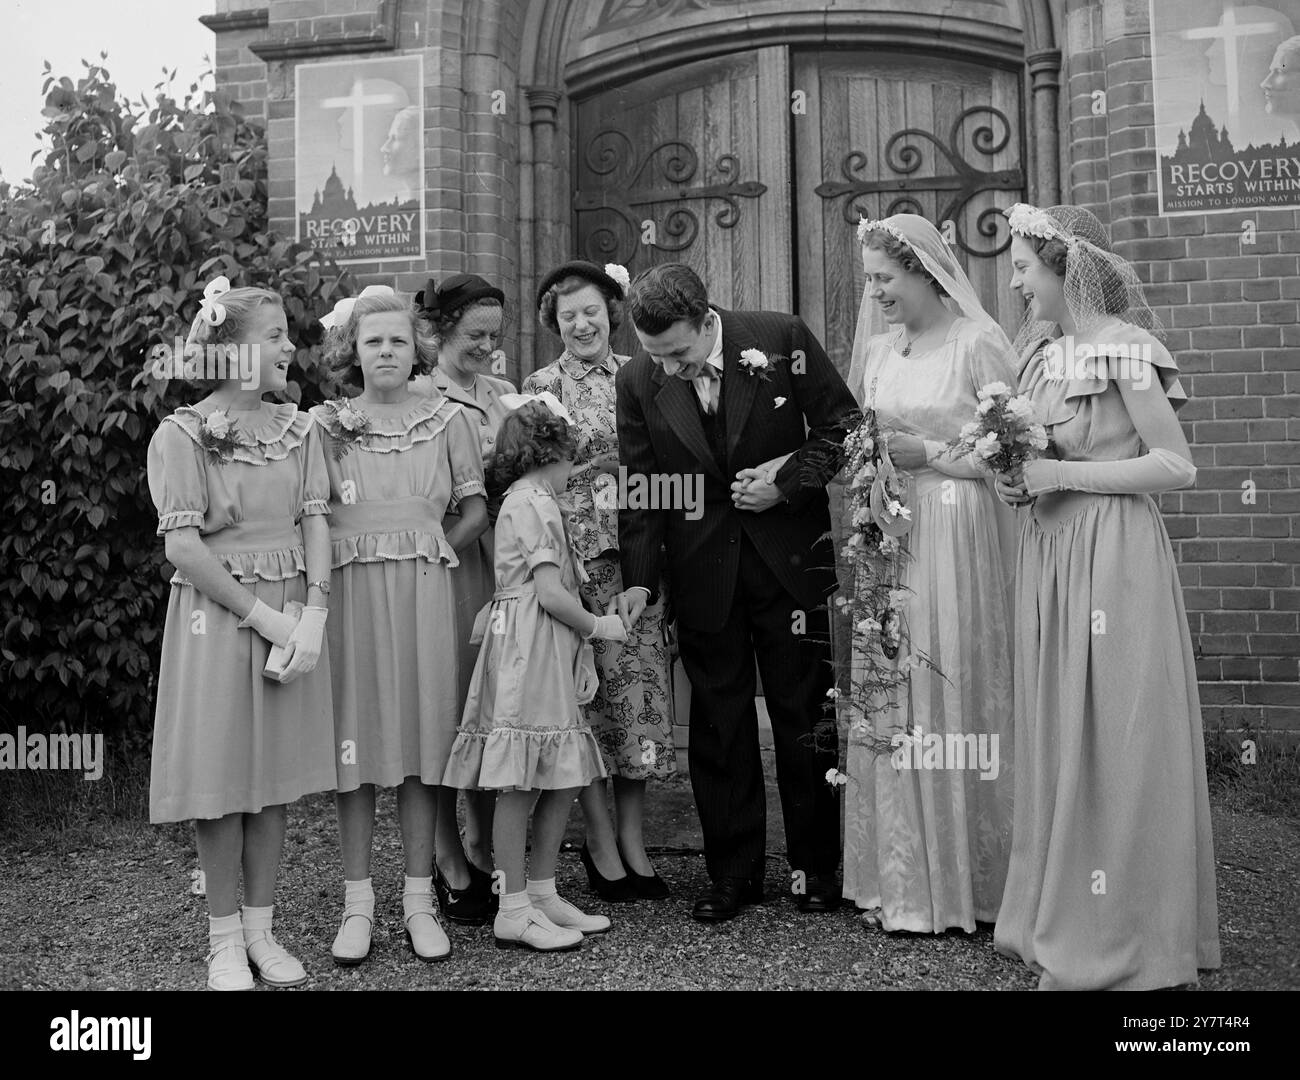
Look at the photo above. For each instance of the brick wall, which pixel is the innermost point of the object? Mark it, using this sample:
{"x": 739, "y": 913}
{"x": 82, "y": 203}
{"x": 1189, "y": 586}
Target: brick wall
{"x": 470, "y": 50}
{"x": 1233, "y": 322}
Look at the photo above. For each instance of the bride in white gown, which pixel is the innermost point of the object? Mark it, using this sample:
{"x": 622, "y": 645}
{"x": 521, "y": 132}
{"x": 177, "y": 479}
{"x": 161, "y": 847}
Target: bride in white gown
{"x": 926, "y": 848}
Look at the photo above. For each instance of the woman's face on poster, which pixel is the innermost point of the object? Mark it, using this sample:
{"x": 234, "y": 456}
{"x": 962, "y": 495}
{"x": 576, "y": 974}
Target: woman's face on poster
{"x": 402, "y": 147}
{"x": 1282, "y": 85}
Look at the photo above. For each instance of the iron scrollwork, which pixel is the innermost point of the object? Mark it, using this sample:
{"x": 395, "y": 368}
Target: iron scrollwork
{"x": 963, "y": 183}
{"x": 610, "y": 153}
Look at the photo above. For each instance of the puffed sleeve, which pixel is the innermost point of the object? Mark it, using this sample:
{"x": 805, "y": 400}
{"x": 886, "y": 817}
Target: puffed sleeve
{"x": 464, "y": 461}
{"x": 538, "y": 530}
{"x": 177, "y": 478}
{"x": 990, "y": 358}
{"x": 315, "y": 477}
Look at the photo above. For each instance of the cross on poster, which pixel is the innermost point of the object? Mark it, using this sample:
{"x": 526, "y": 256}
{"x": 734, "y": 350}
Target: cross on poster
{"x": 1226, "y": 85}
{"x": 359, "y": 158}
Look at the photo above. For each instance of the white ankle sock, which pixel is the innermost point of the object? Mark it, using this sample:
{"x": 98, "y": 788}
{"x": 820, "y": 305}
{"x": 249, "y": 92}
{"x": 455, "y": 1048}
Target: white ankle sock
{"x": 540, "y": 890}
{"x": 224, "y": 926}
{"x": 359, "y": 892}
{"x": 514, "y": 904}
{"x": 256, "y": 919}
{"x": 416, "y": 894}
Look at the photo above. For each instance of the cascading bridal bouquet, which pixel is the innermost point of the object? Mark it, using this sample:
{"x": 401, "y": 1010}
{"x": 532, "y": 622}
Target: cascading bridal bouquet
{"x": 1005, "y": 433}
{"x": 874, "y": 600}
{"x": 347, "y": 425}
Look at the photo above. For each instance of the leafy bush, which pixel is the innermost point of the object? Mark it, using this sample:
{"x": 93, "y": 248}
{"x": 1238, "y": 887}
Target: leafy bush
{"x": 103, "y": 257}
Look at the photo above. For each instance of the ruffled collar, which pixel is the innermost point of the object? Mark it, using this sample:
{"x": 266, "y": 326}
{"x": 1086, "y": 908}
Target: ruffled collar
{"x": 577, "y": 368}
{"x": 403, "y": 417}
{"x": 263, "y": 435}
{"x": 264, "y": 425}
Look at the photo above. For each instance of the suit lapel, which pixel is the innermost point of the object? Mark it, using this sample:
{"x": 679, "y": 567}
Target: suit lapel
{"x": 677, "y": 401}
{"x": 449, "y": 388}
{"x": 739, "y": 384}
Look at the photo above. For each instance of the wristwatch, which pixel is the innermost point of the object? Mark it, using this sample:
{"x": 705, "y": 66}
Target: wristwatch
{"x": 324, "y": 586}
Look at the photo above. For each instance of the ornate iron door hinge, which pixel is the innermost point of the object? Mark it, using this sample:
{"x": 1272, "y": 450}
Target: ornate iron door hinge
{"x": 964, "y": 182}
{"x": 626, "y": 189}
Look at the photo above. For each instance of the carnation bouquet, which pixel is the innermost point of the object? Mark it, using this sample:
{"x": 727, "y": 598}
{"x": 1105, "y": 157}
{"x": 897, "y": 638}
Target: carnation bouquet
{"x": 1005, "y": 433}
{"x": 219, "y": 438}
{"x": 347, "y": 425}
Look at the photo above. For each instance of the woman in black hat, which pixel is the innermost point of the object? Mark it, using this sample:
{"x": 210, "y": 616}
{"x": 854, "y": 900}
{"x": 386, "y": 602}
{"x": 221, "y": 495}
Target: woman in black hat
{"x": 632, "y": 714}
{"x": 464, "y": 316}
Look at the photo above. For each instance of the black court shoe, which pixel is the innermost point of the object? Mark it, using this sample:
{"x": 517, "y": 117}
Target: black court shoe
{"x": 618, "y": 890}
{"x": 648, "y": 886}
{"x": 464, "y": 906}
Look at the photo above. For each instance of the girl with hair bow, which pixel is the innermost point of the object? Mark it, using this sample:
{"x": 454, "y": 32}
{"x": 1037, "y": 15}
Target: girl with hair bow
{"x": 242, "y": 498}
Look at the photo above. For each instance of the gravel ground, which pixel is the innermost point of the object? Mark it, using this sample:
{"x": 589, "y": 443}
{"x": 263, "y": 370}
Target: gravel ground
{"x": 110, "y": 908}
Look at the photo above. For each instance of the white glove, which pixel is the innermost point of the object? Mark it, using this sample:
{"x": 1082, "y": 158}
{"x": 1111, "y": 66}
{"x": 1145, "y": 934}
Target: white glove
{"x": 608, "y": 628}
{"x": 588, "y": 682}
{"x": 305, "y": 643}
{"x": 1158, "y": 470}
{"x": 275, "y": 626}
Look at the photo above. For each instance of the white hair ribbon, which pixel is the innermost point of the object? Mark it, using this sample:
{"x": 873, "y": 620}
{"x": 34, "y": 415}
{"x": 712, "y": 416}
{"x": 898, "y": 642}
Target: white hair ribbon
{"x": 343, "y": 308}
{"x": 516, "y": 401}
{"x": 211, "y": 309}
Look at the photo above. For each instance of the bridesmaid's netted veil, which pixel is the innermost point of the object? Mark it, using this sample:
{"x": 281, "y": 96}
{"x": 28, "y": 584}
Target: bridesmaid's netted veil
{"x": 1099, "y": 284}
{"x": 939, "y": 261}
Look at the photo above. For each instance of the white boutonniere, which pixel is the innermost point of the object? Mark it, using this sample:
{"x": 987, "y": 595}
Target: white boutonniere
{"x": 756, "y": 363}
{"x": 778, "y": 402}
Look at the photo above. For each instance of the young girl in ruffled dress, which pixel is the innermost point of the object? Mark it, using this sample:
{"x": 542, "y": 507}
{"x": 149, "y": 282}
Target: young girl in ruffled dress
{"x": 241, "y": 492}
{"x": 523, "y": 733}
{"x": 397, "y": 461}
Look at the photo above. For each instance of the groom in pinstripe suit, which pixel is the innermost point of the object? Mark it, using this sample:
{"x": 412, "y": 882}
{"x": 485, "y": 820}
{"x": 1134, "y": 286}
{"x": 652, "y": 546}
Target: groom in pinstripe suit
{"x": 750, "y": 402}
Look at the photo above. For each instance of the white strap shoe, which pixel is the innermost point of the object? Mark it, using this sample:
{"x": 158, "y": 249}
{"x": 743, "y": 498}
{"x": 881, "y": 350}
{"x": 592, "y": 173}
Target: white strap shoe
{"x": 271, "y": 962}
{"x": 533, "y": 930}
{"x": 424, "y": 930}
{"x": 228, "y": 964}
{"x": 565, "y": 915}
{"x": 352, "y": 943}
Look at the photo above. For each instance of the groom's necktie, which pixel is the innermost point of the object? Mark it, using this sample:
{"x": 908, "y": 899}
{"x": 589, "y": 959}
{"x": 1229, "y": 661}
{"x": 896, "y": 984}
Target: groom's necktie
{"x": 712, "y": 386}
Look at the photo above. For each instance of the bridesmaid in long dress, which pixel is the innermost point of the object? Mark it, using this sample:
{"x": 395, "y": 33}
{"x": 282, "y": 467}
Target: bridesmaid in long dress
{"x": 1111, "y": 883}
{"x": 926, "y": 849}
{"x": 464, "y": 315}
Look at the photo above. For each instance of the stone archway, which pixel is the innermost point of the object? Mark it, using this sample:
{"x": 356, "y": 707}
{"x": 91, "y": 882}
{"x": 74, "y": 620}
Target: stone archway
{"x": 559, "y": 65}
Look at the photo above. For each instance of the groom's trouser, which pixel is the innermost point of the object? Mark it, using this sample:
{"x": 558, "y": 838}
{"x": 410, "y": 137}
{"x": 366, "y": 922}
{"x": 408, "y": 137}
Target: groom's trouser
{"x": 726, "y": 770}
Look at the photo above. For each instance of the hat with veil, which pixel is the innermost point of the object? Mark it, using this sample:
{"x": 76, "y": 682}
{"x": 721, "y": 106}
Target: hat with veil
{"x": 1099, "y": 284}
{"x": 940, "y": 262}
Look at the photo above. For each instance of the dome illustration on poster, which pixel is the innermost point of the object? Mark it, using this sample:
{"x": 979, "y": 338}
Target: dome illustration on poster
{"x": 359, "y": 158}
{"x": 1226, "y": 90}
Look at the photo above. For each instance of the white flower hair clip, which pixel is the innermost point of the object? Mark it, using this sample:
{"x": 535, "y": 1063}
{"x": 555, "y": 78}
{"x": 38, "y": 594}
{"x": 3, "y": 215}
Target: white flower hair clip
{"x": 343, "y": 308}
{"x": 211, "y": 309}
{"x": 866, "y": 225}
{"x": 620, "y": 275}
{"x": 1026, "y": 220}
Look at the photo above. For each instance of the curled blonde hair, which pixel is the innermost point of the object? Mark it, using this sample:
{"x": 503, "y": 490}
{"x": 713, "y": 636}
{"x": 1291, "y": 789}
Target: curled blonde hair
{"x": 341, "y": 341}
{"x": 240, "y": 304}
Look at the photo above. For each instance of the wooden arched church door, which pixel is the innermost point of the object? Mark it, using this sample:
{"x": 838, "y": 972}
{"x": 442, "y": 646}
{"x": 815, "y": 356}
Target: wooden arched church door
{"x": 753, "y": 168}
